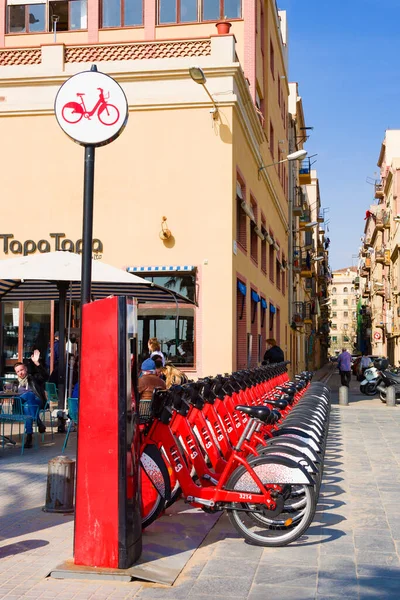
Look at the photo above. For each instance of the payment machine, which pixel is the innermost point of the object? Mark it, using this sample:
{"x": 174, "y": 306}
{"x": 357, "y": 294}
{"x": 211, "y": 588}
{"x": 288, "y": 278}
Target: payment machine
{"x": 107, "y": 516}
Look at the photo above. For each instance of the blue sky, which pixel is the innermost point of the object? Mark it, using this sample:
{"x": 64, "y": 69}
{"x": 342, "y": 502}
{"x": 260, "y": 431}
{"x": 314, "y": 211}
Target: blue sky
{"x": 343, "y": 55}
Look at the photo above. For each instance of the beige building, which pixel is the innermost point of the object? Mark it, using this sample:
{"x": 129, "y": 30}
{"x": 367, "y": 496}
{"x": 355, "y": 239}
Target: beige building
{"x": 183, "y": 163}
{"x": 343, "y": 315}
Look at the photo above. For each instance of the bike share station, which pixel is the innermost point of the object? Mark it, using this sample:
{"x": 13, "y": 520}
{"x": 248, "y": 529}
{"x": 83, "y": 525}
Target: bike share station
{"x": 108, "y": 530}
{"x": 251, "y": 443}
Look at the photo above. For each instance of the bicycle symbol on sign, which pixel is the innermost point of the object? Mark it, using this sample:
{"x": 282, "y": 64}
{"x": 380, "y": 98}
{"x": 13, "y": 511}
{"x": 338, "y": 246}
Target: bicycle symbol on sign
{"x": 73, "y": 112}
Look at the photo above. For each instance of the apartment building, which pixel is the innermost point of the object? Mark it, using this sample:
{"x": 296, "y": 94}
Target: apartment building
{"x": 196, "y": 166}
{"x": 379, "y": 255}
{"x": 343, "y": 316}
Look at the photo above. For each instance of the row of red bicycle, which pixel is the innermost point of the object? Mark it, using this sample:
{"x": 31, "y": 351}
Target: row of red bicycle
{"x": 251, "y": 443}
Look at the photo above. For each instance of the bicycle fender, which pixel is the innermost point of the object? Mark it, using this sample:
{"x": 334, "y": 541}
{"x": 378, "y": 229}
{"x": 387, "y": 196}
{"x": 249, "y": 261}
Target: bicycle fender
{"x": 156, "y": 470}
{"x": 281, "y": 470}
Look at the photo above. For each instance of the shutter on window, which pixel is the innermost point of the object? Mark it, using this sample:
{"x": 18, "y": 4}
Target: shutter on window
{"x": 241, "y": 331}
{"x": 254, "y": 332}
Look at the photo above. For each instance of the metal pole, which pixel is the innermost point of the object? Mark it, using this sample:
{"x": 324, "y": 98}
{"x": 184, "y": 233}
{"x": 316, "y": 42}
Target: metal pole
{"x": 62, "y": 289}
{"x": 87, "y": 230}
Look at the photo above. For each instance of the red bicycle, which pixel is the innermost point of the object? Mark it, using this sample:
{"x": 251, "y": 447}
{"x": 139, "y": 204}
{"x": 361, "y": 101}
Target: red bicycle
{"x": 107, "y": 113}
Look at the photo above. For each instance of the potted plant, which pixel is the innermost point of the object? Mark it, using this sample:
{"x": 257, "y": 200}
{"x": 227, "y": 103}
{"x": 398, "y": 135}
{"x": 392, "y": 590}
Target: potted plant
{"x": 223, "y": 26}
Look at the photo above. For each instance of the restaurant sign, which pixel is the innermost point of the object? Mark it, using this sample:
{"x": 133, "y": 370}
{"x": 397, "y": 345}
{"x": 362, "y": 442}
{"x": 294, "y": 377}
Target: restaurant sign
{"x": 59, "y": 241}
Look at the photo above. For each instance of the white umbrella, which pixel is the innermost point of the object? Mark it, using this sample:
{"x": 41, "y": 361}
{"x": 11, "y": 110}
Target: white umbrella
{"x": 48, "y": 276}
{"x": 37, "y": 277}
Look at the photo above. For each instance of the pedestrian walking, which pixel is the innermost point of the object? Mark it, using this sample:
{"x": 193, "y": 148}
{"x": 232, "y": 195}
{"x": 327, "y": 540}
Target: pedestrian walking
{"x": 344, "y": 365}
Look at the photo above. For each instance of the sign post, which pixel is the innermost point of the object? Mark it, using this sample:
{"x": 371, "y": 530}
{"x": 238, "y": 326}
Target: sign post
{"x": 91, "y": 108}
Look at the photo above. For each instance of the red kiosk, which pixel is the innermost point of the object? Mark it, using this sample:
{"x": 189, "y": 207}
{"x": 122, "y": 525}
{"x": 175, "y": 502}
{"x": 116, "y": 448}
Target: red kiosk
{"x": 108, "y": 531}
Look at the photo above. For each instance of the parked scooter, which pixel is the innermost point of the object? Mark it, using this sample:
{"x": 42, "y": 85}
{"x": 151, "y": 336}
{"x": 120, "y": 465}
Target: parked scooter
{"x": 389, "y": 379}
{"x": 372, "y": 378}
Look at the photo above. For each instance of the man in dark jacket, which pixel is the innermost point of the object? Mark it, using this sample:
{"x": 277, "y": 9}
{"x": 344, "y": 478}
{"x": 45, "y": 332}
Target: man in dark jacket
{"x": 31, "y": 388}
{"x": 274, "y": 354}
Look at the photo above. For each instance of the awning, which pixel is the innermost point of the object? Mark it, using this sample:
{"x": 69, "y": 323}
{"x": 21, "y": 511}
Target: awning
{"x": 161, "y": 268}
{"x": 35, "y": 278}
{"x": 263, "y": 304}
{"x": 241, "y": 288}
{"x": 272, "y": 309}
{"x": 254, "y": 296}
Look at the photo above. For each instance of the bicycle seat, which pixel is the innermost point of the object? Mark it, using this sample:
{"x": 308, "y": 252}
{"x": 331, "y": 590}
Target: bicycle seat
{"x": 80, "y": 94}
{"x": 255, "y": 412}
{"x": 281, "y": 404}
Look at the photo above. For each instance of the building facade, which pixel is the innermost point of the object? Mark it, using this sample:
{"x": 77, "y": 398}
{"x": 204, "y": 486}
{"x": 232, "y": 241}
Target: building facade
{"x": 180, "y": 166}
{"x": 343, "y": 313}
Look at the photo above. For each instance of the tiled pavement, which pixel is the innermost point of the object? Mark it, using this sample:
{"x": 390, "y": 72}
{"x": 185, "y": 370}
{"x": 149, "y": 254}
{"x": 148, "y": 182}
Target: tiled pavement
{"x": 351, "y": 550}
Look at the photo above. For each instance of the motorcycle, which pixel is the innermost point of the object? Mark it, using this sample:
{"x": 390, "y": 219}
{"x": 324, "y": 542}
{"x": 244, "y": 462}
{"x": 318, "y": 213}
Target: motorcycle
{"x": 389, "y": 379}
{"x": 372, "y": 378}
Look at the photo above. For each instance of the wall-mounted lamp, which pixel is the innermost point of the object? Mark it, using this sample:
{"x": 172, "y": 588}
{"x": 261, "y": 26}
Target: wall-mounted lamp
{"x": 248, "y": 210}
{"x": 298, "y": 155}
{"x": 197, "y": 74}
{"x": 306, "y": 226}
{"x": 165, "y": 233}
{"x": 260, "y": 234}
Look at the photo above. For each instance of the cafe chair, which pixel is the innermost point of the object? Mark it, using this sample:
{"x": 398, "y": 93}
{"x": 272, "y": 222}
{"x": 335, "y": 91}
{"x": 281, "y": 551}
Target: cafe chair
{"x": 72, "y": 404}
{"x": 51, "y": 392}
{"x": 42, "y": 416}
{"x": 12, "y": 413}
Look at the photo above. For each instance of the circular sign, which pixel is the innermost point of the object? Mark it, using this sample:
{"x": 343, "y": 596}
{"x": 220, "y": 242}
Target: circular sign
{"x": 377, "y": 335}
{"x": 91, "y": 108}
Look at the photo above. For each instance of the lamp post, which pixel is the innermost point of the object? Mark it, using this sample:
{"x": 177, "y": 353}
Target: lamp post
{"x": 197, "y": 74}
{"x": 293, "y": 156}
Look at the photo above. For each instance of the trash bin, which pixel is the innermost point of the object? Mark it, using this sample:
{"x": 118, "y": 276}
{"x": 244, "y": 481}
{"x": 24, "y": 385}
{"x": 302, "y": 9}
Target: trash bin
{"x": 60, "y": 485}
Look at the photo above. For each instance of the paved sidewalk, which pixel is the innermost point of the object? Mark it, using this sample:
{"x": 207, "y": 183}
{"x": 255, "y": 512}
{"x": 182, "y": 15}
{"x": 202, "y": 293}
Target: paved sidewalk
{"x": 351, "y": 550}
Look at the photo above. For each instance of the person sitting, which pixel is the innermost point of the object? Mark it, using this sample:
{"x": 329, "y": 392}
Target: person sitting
{"x": 31, "y": 389}
{"x": 173, "y": 376}
{"x": 149, "y": 380}
{"x": 274, "y": 353}
{"x": 155, "y": 349}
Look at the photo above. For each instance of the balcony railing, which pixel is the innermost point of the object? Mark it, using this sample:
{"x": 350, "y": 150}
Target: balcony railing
{"x": 305, "y": 218}
{"x": 356, "y": 282}
{"x": 299, "y": 201}
{"x": 302, "y": 313}
{"x": 380, "y": 255}
{"x": 305, "y": 172}
{"x": 379, "y": 219}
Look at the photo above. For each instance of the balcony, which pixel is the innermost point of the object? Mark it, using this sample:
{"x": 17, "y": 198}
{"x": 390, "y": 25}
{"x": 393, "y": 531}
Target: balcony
{"x": 305, "y": 269}
{"x": 356, "y": 282}
{"x": 367, "y": 263}
{"x": 379, "y": 191}
{"x": 386, "y": 219}
{"x": 380, "y": 255}
{"x": 297, "y": 259}
{"x": 305, "y": 218}
{"x": 320, "y": 217}
{"x": 298, "y": 203}
{"x": 379, "y": 220}
{"x": 305, "y": 172}
{"x": 367, "y": 241}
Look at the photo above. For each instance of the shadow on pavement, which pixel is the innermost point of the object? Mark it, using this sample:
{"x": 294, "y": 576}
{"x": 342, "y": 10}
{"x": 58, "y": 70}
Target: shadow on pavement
{"x": 19, "y": 547}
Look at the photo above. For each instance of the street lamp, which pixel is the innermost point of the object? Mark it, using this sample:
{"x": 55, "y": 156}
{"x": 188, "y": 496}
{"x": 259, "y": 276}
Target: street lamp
{"x": 298, "y": 155}
{"x": 306, "y": 226}
{"x": 197, "y": 74}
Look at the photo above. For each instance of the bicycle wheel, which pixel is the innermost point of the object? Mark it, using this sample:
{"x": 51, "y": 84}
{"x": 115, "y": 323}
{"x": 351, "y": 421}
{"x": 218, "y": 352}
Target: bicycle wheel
{"x": 108, "y": 114}
{"x": 152, "y": 502}
{"x": 72, "y": 113}
{"x": 271, "y": 528}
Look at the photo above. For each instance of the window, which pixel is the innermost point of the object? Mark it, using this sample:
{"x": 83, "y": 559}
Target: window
{"x": 334, "y": 326}
{"x": 345, "y": 290}
{"x": 182, "y": 283}
{"x": 279, "y": 90}
{"x": 271, "y": 262}
{"x": 334, "y": 302}
{"x": 26, "y": 18}
{"x": 345, "y": 301}
{"x": 352, "y": 290}
{"x": 176, "y": 339}
{"x": 334, "y": 290}
{"x": 345, "y": 327}
{"x": 334, "y": 338}
{"x": 263, "y": 249}
{"x": 253, "y": 235}
{"x": 241, "y": 326}
{"x": 278, "y": 274}
{"x": 345, "y": 314}
{"x": 271, "y": 139}
{"x": 346, "y": 338}
{"x": 272, "y": 58}
{"x": 190, "y": 11}
{"x": 334, "y": 314}
{"x": 121, "y": 13}
{"x": 241, "y": 233}
{"x": 353, "y": 301}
